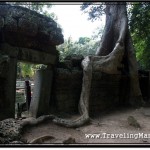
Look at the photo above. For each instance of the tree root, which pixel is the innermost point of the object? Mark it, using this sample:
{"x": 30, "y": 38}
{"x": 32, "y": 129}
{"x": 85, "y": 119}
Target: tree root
{"x": 72, "y": 123}
{"x": 32, "y": 121}
{"x": 111, "y": 63}
{"x": 84, "y": 98}
{"x": 107, "y": 64}
{"x": 113, "y": 46}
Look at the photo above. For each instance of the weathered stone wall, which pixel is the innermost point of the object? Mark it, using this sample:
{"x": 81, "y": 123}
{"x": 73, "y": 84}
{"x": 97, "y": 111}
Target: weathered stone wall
{"x": 105, "y": 91}
{"x": 66, "y": 90}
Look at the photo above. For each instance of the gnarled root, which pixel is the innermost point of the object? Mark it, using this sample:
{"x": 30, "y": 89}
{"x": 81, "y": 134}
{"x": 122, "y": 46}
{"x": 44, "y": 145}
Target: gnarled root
{"x": 33, "y": 121}
{"x": 107, "y": 64}
{"x": 72, "y": 123}
{"x": 111, "y": 63}
{"x": 110, "y": 59}
{"x": 84, "y": 98}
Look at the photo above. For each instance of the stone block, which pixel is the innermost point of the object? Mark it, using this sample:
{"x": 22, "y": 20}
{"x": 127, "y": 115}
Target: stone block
{"x": 105, "y": 90}
{"x": 7, "y": 102}
{"x": 22, "y": 23}
{"x": 41, "y": 93}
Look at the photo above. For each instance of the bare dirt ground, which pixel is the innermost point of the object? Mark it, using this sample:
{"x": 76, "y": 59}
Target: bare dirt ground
{"x": 114, "y": 122}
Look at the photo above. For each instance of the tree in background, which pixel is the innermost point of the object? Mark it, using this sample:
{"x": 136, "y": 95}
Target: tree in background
{"x": 84, "y": 46}
{"x": 26, "y": 70}
{"x": 139, "y": 21}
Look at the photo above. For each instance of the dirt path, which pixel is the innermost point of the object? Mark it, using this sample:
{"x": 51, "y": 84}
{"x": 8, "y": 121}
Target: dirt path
{"x": 114, "y": 122}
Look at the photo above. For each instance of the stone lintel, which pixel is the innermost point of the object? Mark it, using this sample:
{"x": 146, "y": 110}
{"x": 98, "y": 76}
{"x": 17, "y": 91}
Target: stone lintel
{"x": 28, "y": 55}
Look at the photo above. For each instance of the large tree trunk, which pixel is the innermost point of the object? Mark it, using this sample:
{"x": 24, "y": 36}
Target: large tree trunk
{"x": 116, "y": 54}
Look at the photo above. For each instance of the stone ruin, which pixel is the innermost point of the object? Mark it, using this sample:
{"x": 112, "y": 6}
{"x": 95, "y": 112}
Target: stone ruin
{"x": 28, "y": 36}
{"x": 31, "y": 37}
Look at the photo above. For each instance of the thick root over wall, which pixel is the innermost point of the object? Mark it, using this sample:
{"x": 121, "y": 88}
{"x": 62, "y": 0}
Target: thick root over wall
{"x": 116, "y": 47}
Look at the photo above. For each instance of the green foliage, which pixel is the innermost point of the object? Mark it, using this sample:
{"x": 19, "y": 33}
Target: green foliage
{"x": 84, "y": 46}
{"x": 83, "y": 40}
{"x": 139, "y": 22}
{"x": 25, "y": 70}
{"x": 94, "y": 9}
